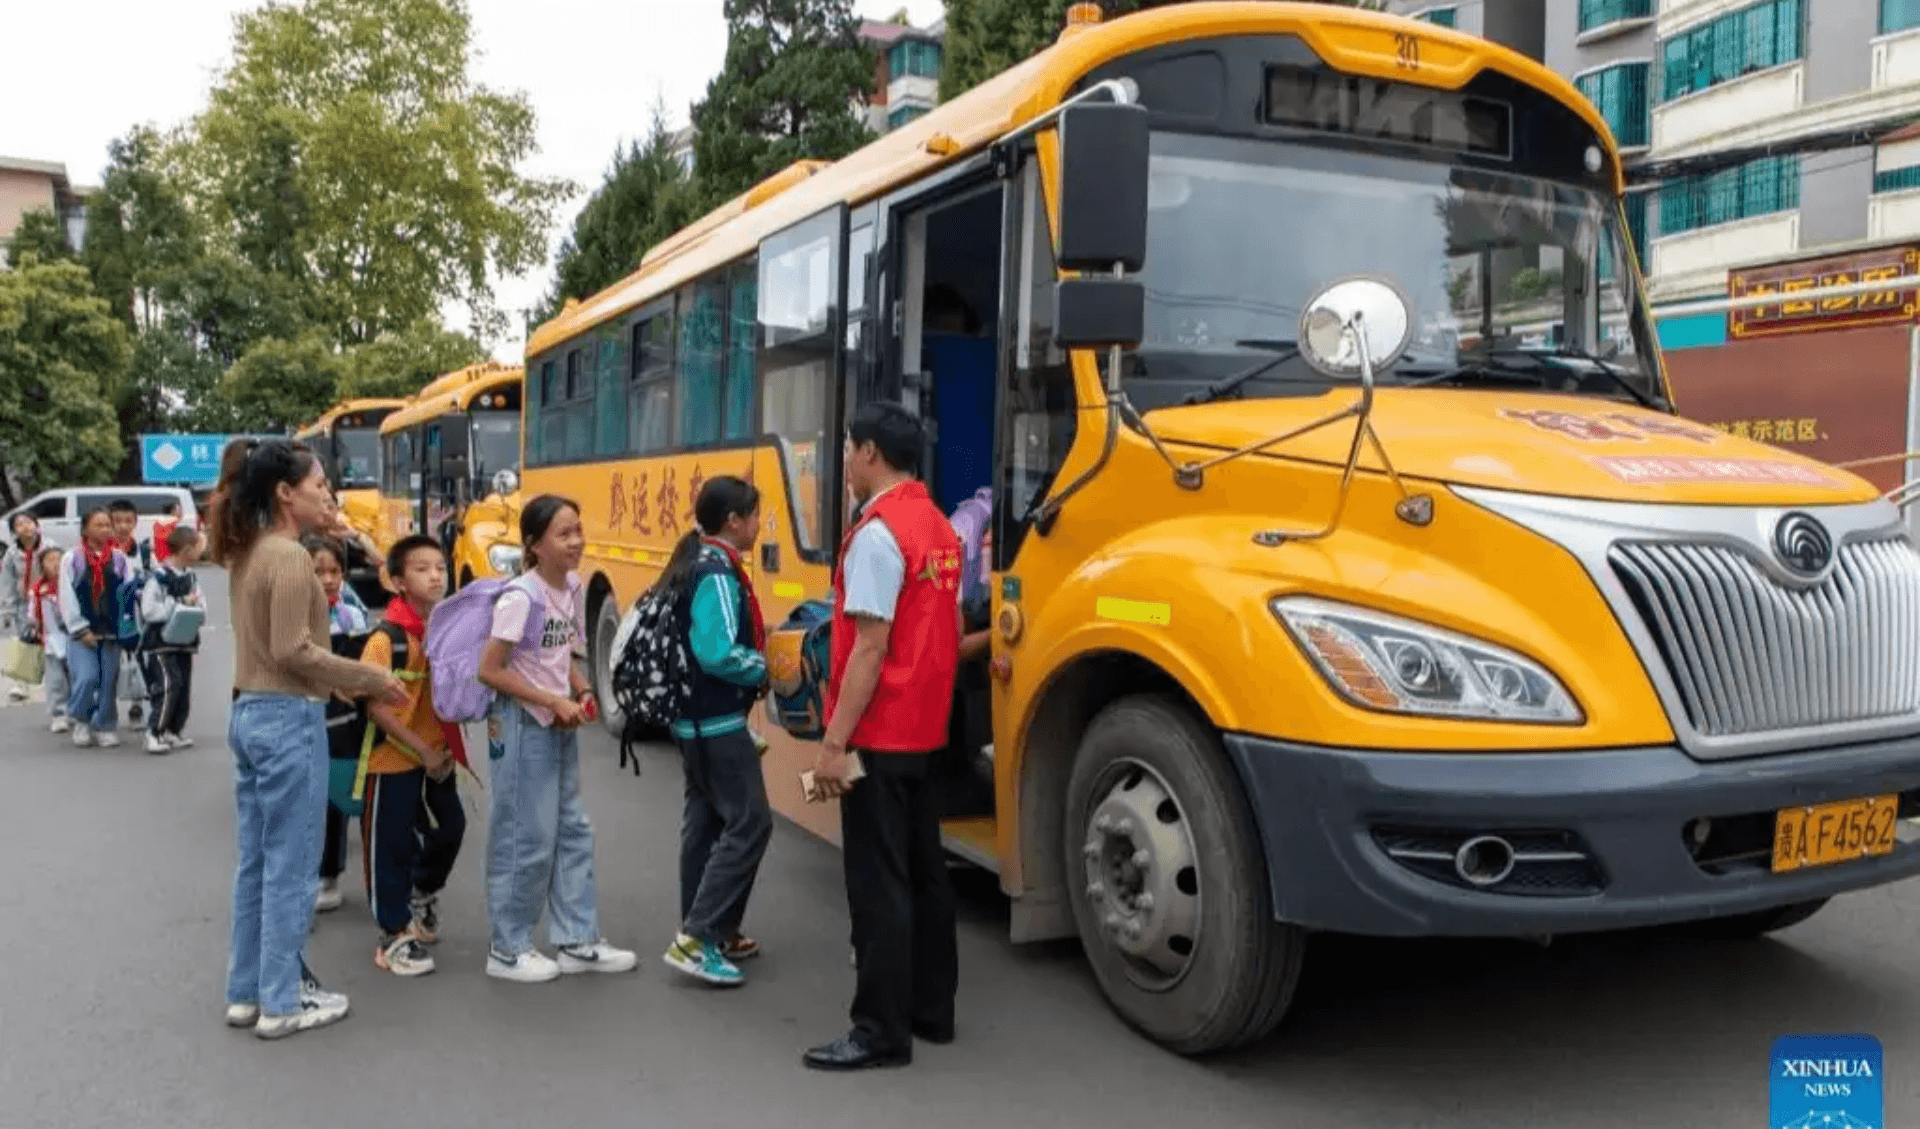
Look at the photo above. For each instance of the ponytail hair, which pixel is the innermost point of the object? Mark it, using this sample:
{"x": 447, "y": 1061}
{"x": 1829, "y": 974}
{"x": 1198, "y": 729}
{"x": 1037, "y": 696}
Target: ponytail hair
{"x": 244, "y": 503}
{"x": 535, "y": 520}
{"x": 722, "y": 498}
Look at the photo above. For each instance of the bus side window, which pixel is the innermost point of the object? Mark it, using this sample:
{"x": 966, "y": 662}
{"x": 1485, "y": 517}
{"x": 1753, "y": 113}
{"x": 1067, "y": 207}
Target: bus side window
{"x": 650, "y": 395}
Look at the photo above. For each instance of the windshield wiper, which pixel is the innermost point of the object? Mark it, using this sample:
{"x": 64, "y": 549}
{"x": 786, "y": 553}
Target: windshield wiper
{"x": 1283, "y": 351}
{"x": 1612, "y": 373}
{"x": 1496, "y": 364}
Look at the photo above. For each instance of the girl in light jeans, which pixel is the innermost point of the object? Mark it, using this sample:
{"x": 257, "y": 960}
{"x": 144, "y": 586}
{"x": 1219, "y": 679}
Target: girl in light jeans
{"x": 45, "y": 615}
{"x": 540, "y": 849}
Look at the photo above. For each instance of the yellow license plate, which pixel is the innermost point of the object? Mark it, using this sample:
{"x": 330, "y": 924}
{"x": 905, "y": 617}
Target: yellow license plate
{"x": 1829, "y": 833}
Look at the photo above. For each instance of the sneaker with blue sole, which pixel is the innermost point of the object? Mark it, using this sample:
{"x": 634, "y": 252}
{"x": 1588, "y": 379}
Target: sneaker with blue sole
{"x": 703, "y": 961}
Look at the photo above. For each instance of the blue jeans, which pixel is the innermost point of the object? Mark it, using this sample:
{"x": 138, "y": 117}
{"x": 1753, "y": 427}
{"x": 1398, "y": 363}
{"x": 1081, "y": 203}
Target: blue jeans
{"x": 540, "y": 845}
{"x": 94, "y": 672}
{"x": 279, "y": 791}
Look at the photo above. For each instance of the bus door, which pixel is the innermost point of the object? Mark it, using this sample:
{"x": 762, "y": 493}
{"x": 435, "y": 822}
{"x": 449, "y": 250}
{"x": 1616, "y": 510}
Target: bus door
{"x": 802, "y": 357}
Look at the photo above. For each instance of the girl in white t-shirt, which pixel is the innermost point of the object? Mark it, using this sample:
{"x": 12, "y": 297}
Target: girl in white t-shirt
{"x": 540, "y": 847}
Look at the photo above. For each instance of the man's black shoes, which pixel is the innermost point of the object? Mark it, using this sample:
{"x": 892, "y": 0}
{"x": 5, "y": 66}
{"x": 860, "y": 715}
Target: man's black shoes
{"x": 850, "y": 1052}
{"x": 937, "y": 1034}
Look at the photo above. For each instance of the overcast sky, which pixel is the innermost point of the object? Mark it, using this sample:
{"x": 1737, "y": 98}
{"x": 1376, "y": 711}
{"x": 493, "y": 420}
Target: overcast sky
{"x": 590, "y": 68}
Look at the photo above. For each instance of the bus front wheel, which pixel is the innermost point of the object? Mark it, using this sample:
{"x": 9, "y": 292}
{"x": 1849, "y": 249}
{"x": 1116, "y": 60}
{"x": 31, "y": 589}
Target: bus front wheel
{"x": 1168, "y": 883}
{"x": 606, "y": 625}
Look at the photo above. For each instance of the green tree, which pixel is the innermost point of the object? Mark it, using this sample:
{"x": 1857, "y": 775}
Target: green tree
{"x": 985, "y": 37}
{"x": 348, "y": 152}
{"x": 794, "y": 71}
{"x": 646, "y": 197}
{"x": 400, "y": 364}
{"x": 141, "y": 234}
{"x": 62, "y": 358}
{"x": 40, "y": 236}
{"x": 280, "y": 384}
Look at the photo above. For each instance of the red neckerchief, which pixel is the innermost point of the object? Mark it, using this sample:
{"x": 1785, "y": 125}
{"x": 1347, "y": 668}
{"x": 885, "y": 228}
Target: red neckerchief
{"x": 401, "y": 615}
{"x": 129, "y": 546}
{"x": 29, "y": 576}
{"x": 37, "y": 592}
{"x": 746, "y": 585}
{"x": 97, "y": 564}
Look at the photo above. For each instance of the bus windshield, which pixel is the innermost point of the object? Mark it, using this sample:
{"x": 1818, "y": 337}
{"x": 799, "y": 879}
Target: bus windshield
{"x": 359, "y": 449}
{"x": 496, "y": 443}
{"x": 1241, "y": 233}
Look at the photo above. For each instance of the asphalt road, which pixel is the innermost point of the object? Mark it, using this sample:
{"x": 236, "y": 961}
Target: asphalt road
{"x": 114, "y": 885}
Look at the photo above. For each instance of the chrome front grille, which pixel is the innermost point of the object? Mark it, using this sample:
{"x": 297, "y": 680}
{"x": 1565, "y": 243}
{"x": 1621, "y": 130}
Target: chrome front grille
{"x": 1749, "y": 654}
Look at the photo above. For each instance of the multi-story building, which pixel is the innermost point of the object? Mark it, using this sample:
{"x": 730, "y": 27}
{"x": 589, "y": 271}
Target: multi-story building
{"x": 906, "y": 72}
{"x": 27, "y": 186}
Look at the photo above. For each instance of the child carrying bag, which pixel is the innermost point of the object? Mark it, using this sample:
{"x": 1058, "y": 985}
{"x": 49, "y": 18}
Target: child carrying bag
{"x": 351, "y": 730}
{"x": 24, "y": 662}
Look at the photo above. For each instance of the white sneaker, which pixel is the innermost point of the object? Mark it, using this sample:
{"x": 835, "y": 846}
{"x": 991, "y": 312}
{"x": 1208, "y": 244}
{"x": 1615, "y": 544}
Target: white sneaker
{"x": 107, "y": 740}
{"x": 180, "y": 741}
{"x": 61, "y": 725}
{"x": 16, "y": 694}
{"x": 318, "y": 1008}
{"x": 596, "y": 957}
{"x": 82, "y": 737}
{"x": 158, "y": 745}
{"x": 243, "y": 1015}
{"x": 530, "y": 967}
{"x": 404, "y": 955}
{"x": 329, "y": 897}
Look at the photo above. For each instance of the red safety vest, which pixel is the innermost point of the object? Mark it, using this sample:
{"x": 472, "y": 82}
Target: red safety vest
{"x": 911, "y": 704}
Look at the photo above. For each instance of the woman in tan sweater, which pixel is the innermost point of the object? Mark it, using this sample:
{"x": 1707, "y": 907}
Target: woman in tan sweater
{"x": 270, "y": 494}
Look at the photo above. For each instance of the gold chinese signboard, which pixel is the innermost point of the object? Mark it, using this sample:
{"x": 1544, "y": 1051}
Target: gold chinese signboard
{"x": 1847, "y": 311}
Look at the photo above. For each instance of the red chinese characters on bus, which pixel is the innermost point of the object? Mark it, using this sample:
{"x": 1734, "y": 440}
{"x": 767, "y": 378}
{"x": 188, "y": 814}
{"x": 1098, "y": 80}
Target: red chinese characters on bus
{"x": 639, "y": 504}
{"x": 1566, "y": 423}
{"x": 694, "y": 484}
{"x": 669, "y": 500}
{"x": 617, "y": 503}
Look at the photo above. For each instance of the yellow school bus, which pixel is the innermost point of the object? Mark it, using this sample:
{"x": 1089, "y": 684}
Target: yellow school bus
{"x": 450, "y": 461}
{"x": 1346, "y": 575}
{"x": 347, "y": 439}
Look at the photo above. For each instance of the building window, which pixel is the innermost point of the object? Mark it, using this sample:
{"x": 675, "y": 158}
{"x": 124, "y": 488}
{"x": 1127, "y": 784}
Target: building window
{"x": 1445, "y": 17}
{"x": 1899, "y": 178}
{"x": 1620, "y": 94}
{"x": 1599, "y": 13}
{"x": 912, "y": 57}
{"x": 903, "y": 115}
{"x": 1899, "y": 15}
{"x": 1757, "y": 188}
{"x": 1754, "y": 38}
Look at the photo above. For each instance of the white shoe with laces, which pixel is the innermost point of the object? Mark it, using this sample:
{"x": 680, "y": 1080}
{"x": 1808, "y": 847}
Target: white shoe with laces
{"x": 596, "y": 957}
{"x": 107, "y": 740}
{"x": 82, "y": 737}
{"x": 158, "y": 745}
{"x": 243, "y": 1015}
{"x": 61, "y": 725}
{"x": 180, "y": 741}
{"x": 530, "y": 967}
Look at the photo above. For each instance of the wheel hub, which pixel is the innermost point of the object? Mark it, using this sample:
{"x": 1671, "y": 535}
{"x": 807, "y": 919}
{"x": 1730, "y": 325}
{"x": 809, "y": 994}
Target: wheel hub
{"x": 1142, "y": 877}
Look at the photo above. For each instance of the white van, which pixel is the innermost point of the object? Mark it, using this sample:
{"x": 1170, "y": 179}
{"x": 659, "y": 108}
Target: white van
{"x": 60, "y": 511}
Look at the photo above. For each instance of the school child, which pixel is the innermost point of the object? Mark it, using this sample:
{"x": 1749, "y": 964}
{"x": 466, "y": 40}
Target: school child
{"x": 44, "y": 595}
{"x": 168, "y": 663}
{"x": 93, "y": 579}
{"x": 126, "y": 520}
{"x": 347, "y": 624}
{"x": 540, "y": 846}
{"x": 727, "y": 822}
{"x": 412, "y": 823}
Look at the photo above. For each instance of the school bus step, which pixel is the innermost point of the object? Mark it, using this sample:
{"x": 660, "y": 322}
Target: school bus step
{"x": 975, "y": 838}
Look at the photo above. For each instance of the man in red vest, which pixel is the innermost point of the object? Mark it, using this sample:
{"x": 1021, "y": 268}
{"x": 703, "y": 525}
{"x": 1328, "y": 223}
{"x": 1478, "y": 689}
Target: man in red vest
{"x": 896, "y": 645}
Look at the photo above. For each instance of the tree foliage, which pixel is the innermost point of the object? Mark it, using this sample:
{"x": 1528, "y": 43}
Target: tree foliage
{"x": 63, "y": 356}
{"x": 647, "y": 196}
{"x": 985, "y": 37}
{"x": 276, "y": 385}
{"x": 795, "y": 70}
{"x": 38, "y": 236}
{"x": 347, "y": 152}
{"x": 400, "y": 364}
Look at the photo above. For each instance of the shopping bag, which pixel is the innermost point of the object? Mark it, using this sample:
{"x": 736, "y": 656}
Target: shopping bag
{"x": 133, "y": 683}
{"x": 23, "y": 662}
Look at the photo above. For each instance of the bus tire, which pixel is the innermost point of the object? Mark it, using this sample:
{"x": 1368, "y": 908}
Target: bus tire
{"x": 606, "y": 624}
{"x": 1154, "y": 808}
{"x": 1748, "y": 926}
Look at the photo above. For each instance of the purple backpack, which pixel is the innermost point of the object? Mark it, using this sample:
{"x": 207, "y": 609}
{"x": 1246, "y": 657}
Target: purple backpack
{"x": 457, "y": 634}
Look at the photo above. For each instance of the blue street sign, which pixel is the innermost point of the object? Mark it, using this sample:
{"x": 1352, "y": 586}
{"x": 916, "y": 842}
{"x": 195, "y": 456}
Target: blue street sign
{"x": 182, "y": 460}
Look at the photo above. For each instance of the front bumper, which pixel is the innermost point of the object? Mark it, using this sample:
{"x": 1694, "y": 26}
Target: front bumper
{"x": 1329, "y": 819}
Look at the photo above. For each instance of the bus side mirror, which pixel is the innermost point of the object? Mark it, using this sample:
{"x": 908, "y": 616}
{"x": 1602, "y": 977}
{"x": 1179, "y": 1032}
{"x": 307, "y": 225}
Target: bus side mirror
{"x": 1094, "y": 313}
{"x": 1103, "y": 187}
{"x": 455, "y": 445}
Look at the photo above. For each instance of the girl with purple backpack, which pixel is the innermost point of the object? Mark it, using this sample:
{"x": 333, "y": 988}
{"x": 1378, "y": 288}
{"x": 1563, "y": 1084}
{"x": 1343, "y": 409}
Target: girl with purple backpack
{"x": 540, "y": 845}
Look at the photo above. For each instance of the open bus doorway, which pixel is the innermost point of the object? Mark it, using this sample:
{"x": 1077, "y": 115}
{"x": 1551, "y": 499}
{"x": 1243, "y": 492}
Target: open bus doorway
{"x": 951, "y": 286}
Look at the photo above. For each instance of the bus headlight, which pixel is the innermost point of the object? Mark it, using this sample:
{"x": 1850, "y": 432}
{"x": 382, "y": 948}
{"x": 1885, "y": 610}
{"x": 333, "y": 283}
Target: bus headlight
{"x": 505, "y": 559}
{"x": 1384, "y": 662}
